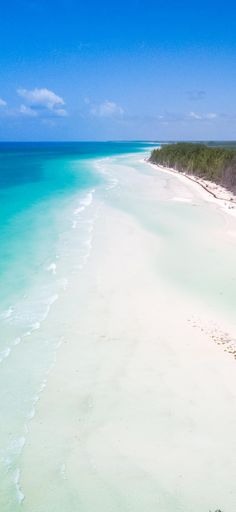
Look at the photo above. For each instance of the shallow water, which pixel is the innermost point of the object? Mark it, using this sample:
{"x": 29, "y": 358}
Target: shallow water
{"x": 197, "y": 238}
{"x": 86, "y": 401}
{"x": 46, "y": 204}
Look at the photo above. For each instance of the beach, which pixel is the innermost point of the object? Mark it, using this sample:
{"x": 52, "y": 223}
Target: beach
{"x": 224, "y": 198}
{"x": 133, "y": 407}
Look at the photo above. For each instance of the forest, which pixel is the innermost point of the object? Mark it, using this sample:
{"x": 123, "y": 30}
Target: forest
{"x": 213, "y": 163}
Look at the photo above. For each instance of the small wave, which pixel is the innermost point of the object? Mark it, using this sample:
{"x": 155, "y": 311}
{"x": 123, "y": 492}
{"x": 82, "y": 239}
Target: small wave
{"x": 88, "y": 198}
{"x": 78, "y": 210}
{"x": 5, "y": 353}
{"x": 63, "y": 471}
{"x": 35, "y": 326}
{"x": 17, "y": 341}
{"x": 52, "y": 299}
{"x": 99, "y": 164}
{"x": 113, "y": 184}
{"x": 31, "y": 413}
{"x": 14, "y": 449}
{"x": 49, "y": 303}
{"x": 85, "y": 201}
{"x": 43, "y": 385}
{"x": 7, "y": 314}
{"x": 26, "y": 334}
{"x": 52, "y": 267}
{"x": 88, "y": 243}
{"x": 60, "y": 341}
{"x": 36, "y": 398}
{"x": 19, "y": 493}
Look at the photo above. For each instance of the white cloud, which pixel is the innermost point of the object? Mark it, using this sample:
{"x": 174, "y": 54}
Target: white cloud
{"x": 3, "y": 103}
{"x": 27, "y": 111}
{"x": 211, "y": 115}
{"x": 43, "y": 97}
{"x": 195, "y": 116}
{"x": 204, "y": 117}
{"x": 60, "y": 112}
{"x": 42, "y": 100}
{"x": 106, "y": 109}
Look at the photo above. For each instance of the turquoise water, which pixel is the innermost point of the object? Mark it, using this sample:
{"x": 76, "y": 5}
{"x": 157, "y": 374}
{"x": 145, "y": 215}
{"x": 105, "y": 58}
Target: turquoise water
{"x": 55, "y": 199}
{"x": 35, "y": 181}
{"x": 46, "y": 203}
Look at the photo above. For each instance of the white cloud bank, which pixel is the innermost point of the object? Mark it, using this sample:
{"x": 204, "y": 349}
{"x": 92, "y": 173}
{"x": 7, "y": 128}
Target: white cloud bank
{"x": 27, "y": 111}
{"x": 107, "y": 109}
{"x": 199, "y": 117}
{"x": 41, "y": 101}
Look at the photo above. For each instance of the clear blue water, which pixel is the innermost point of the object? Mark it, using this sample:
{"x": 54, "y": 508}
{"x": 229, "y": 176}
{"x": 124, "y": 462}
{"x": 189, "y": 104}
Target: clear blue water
{"x": 46, "y": 190}
{"x": 35, "y": 180}
{"x": 52, "y": 198}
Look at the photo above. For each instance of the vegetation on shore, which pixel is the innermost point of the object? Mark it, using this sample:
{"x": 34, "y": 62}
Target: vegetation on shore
{"x": 216, "y": 164}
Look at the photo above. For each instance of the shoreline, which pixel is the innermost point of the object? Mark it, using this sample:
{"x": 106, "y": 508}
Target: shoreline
{"x": 131, "y": 388}
{"x": 139, "y": 365}
{"x": 217, "y": 193}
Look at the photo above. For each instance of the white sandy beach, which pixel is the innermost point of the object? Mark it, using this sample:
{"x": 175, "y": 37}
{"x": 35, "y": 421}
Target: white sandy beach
{"x": 212, "y": 191}
{"x": 139, "y": 408}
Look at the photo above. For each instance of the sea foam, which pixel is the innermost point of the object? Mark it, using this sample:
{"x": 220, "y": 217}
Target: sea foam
{"x": 52, "y": 268}
{"x": 7, "y": 314}
{"x": 20, "y": 495}
{"x": 85, "y": 201}
{"x": 5, "y": 353}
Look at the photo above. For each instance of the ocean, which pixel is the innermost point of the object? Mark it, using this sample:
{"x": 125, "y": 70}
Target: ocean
{"x": 46, "y": 224}
{"x": 117, "y": 335}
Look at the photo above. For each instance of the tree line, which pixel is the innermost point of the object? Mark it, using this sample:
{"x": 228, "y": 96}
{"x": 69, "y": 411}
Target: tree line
{"x": 215, "y": 164}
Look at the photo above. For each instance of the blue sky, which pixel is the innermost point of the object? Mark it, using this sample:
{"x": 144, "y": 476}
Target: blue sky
{"x": 90, "y": 70}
